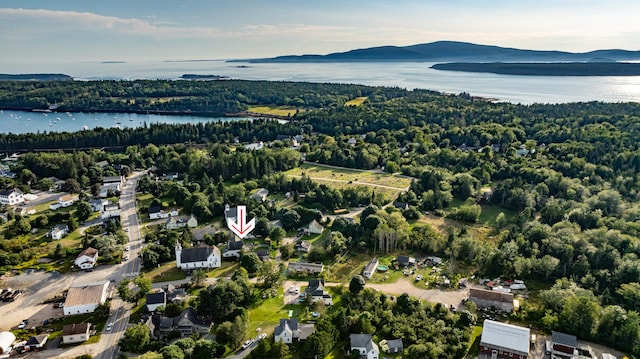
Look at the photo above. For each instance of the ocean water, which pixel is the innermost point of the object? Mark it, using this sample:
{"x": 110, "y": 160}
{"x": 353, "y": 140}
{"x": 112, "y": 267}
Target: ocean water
{"x": 17, "y": 122}
{"x": 409, "y": 75}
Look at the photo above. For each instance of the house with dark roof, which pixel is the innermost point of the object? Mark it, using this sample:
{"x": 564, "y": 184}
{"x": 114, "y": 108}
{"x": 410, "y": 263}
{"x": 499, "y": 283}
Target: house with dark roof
{"x": 370, "y": 268}
{"x": 58, "y": 231}
{"x": 392, "y": 346}
{"x": 364, "y": 344}
{"x": 290, "y": 329}
{"x": 563, "y": 345}
{"x": 492, "y": 299}
{"x": 405, "y": 261}
{"x": 173, "y": 293}
{"x": 75, "y": 333}
{"x": 260, "y": 195}
{"x": 263, "y": 254}
{"x": 233, "y": 250}
{"x": 187, "y": 323}
{"x": 317, "y": 292}
{"x": 156, "y": 212}
{"x": 36, "y": 342}
{"x": 197, "y": 257}
{"x": 156, "y": 300}
{"x": 401, "y": 205}
{"x": 11, "y": 197}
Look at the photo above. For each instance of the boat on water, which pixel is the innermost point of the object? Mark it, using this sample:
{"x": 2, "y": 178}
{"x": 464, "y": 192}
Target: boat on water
{"x": 50, "y": 123}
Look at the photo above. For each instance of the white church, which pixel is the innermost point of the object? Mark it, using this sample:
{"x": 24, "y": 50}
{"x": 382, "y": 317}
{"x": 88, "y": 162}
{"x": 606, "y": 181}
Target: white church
{"x": 197, "y": 257}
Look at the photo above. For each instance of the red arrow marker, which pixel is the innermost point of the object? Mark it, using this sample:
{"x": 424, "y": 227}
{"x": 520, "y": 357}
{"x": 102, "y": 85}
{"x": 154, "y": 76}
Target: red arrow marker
{"x": 241, "y": 228}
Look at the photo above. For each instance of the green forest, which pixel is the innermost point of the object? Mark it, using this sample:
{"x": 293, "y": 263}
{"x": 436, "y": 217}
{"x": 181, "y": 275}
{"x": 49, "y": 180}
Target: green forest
{"x": 563, "y": 180}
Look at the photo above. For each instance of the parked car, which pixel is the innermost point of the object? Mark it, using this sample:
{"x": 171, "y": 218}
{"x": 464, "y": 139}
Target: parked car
{"x": 419, "y": 277}
{"x": 109, "y": 326}
{"x": 262, "y": 336}
{"x": 22, "y": 325}
{"x": 247, "y": 344}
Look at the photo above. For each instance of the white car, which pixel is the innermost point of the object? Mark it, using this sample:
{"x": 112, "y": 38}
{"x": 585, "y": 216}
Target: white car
{"x": 22, "y": 325}
{"x": 247, "y": 344}
{"x": 109, "y": 326}
{"x": 126, "y": 248}
{"x": 419, "y": 277}
{"x": 262, "y": 336}
{"x": 126, "y": 257}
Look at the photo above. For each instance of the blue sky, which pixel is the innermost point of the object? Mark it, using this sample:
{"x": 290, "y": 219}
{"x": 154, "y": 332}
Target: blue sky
{"x": 67, "y": 31}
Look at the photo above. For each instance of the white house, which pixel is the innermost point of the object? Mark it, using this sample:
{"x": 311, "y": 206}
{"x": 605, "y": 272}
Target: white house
{"x": 98, "y": 204}
{"x": 67, "y": 200}
{"x": 290, "y": 329}
{"x": 25, "y": 211}
{"x": 316, "y": 291}
{"x": 370, "y": 268}
{"x": 364, "y": 344}
{"x": 504, "y": 340}
{"x": 180, "y": 222}
{"x": 59, "y": 231}
{"x": 110, "y": 210}
{"x": 85, "y": 298}
{"x": 156, "y": 212}
{"x": 197, "y": 257}
{"x": 75, "y": 333}
{"x": 315, "y": 227}
{"x": 156, "y": 300}
{"x": 11, "y": 197}
{"x": 36, "y": 342}
{"x": 233, "y": 250}
{"x": 87, "y": 259}
{"x": 107, "y": 188}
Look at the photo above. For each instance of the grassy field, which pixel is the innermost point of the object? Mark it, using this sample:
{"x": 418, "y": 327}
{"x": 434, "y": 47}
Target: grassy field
{"x": 226, "y": 269}
{"x": 386, "y": 184}
{"x": 358, "y": 101}
{"x": 273, "y": 110}
{"x": 267, "y": 315}
{"x": 166, "y": 272}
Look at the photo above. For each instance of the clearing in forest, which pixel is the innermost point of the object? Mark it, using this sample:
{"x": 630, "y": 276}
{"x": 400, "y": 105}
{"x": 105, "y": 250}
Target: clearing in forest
{"x": 273, "y": 110}
{"x": 356, "y": 101}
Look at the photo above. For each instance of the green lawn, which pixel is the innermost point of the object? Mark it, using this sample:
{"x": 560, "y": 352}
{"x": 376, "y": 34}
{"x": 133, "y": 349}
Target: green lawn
{"x": 268, "y": 313}
{"x": 273, "y": 110}
{"x": 226, "y": 269}
{"x": 474, "y": 342}
{"x": 166, "y": 272}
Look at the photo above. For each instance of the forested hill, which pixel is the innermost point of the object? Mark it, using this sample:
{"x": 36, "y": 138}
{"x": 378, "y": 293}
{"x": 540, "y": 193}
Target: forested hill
{"x": 546, "y": 69}
{"x": 454, "y": 51}
{"x": 35, "y": 77}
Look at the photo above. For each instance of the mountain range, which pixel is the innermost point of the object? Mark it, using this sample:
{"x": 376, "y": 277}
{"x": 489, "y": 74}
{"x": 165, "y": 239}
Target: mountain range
{"x": 457, "y": 51}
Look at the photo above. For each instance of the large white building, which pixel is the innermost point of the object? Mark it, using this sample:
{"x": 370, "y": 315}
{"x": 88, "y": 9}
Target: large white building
{"x": 197, "y": 257}
{"x": 85, "y": 298}
{"x": 364, "y": 344}
{"x": 11, "y": 197}
{"x": 500, "y": 340}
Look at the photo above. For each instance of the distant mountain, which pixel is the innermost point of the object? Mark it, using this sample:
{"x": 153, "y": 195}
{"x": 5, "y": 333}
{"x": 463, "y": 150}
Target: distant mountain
{"x": 34, "y": 77}
{"x": 454, "y": 51}
{"x": 546, "y": 68}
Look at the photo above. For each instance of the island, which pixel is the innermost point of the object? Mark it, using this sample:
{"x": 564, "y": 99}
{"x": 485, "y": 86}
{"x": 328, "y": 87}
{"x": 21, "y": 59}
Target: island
{"x": 203, "y": 77}
{"x": 546, "y": 68}
{"x": 35, "y": 77}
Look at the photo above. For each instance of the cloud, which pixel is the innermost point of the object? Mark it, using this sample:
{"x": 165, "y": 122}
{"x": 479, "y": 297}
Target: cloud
{"x": 87, "y": 21}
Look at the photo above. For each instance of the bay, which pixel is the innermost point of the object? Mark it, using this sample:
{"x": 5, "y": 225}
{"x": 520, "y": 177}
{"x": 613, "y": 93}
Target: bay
{"x": 18, "y": 122}
{"x": 409, "y": 75}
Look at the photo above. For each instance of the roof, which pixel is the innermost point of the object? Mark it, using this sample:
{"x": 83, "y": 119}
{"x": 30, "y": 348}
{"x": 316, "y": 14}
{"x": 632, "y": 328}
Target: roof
{"x": 361, "y": 341}
{"x": 491, "y": 295}
{"x": 506, "y": 336}
{"x": 262, "y": 253}
{"x": 315, "y": 285}
{"x": 192, "y": 316}
{"x": 68, "y": 197}
{"x": 155, "y": 209}
{"x": 156, "y": 298}
{"x": 404, "y": 260}
{"x": 198, "y": 254}
{"x": 85, "y": 294}
{"x": 302, "y": 266}
{"x": 6, "y": 339}
{"x": 37, "y": 339}
{"x": 89, "y": 252}
{"x": 564, "y": 339}
{"x": 290, "y": 323}
{"x": 371, "y": 266}
{"x": 395, "y": 343}
{"x": 71, "y": 329}
{"x": 234, "y": 245}
{"x": 64, "y": 227}
{"x": 315, "y": 224}
{"x": 111, "y": 179}
{"x": 7, "y": 192}
{"x": 303, "y": 244}
{"x": 232, "y": 212}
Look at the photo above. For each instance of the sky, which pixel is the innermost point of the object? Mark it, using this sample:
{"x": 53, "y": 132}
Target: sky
{"x": 70, "y": 31}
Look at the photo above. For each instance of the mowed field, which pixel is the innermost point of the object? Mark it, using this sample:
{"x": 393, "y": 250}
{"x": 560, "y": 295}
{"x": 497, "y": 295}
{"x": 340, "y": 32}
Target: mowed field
{"x": 356, "y": 101}
{"x": 385, "y": 183}
{"x": 273, "y": 110}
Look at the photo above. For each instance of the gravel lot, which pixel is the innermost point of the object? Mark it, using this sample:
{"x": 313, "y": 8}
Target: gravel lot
{"x": 39, "y": 286}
